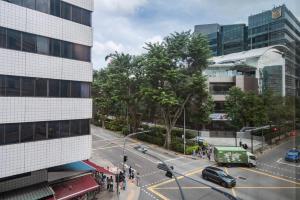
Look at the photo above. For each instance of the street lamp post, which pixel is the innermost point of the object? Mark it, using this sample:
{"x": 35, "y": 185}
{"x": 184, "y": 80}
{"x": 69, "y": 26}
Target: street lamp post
{"x": 127, "y": 136}
{"x": 184, "y": 140}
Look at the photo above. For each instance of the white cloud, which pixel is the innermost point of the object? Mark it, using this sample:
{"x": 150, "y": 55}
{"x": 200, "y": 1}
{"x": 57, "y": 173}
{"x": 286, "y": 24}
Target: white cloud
{"x": 122, "y": 7}
{"x": 107, "y": 47}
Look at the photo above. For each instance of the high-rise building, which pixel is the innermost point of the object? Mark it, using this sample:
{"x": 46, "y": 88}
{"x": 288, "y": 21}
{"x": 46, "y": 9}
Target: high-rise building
{"x": 45, "y": 80}
{"x": 234, "y": 38}
{"x": 213, "y": 33}
{"x": 279, "y": 26}
{"x": 224, "y": 39}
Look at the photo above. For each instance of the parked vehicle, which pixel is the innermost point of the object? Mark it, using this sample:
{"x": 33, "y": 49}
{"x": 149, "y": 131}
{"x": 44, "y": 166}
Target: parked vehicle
{"x": 218, "y": 176}
{"x": 234, "y": 155}
{"x": 141, "y": 148}
{"x": 292, "y": 155}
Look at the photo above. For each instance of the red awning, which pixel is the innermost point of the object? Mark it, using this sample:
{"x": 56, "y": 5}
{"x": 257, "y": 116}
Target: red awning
{"x": 98, "y": 168}
{"x": 75, "y": 187}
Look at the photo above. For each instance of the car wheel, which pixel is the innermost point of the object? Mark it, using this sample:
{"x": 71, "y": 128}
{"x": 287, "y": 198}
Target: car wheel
{"x": 204, "y": 177}
{"x": 250, "y": 165}
{"x": 224, "y": 184}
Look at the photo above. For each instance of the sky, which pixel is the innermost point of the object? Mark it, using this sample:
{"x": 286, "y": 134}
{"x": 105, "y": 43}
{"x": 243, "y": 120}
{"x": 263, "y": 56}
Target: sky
{"x": 125, "y": 25}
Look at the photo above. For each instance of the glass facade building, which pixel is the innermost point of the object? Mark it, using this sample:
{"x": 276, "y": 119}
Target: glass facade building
{"x": 224, "y": 39}
{"x": 213, "y": 34}
{"x": 279, "y": 26}
{"x": 234, "y": 38}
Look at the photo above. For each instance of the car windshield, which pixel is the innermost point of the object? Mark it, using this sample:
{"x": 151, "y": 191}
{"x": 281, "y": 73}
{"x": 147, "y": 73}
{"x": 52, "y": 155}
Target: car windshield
{"x": 223, "y": 174}
{"x": 293, "y": 153}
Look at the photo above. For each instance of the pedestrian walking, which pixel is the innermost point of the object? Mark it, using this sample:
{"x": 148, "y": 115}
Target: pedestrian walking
{"x": 138, "y": 179}
{"x": 124, "y": 184}
{"x": 130, "y": 172}
{"x": 208, "y": 156}
{"x": 107, "y": 183}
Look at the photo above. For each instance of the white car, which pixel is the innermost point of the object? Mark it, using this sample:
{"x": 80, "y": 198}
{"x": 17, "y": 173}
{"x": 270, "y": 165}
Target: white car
{"x": 141, "y": 148}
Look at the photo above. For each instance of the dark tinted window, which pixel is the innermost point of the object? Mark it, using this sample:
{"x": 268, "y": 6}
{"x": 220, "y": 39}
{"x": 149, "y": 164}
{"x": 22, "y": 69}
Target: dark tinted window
{"x": 43, "y": 45}
{"x": 53, "y": 130}
{"x": 29, "y": 3}
{"x": 2, "y": 37}
{"x": 86, "y": 17}
{"x": 76, "y": 14}
{"x": 85, "y": 90}
{"x": 66, "y": 11}
{"x": 27, "y": 87}
{"x": 75, "y": 128}
{"x": 1, "y": 134}
{"x": 13, "y": 39}
{"x": 67, "y": 50}
{"x": 40, "y": 131}
{"x": 18, "y": 2}
{"x": 29, "y": 42}
{"x": 53, "y": 88}
{"x": 55, "y": 47}
{"x": 41, "y": 88}
{"x": 26, "y": 132}
{"x": 81, "y": 52}
{"x": 65, "y": 128}
{"x": 65, "y": 88}
{"x": 2, "y": 85}
{"x": 12, "y": 86}
{"x": 43, "y": 6}
{"x": 75, "y": 89}
{"x": 85, "y": 127}
{"x": 55, "y": 7}
{"x": 11, "y": 133}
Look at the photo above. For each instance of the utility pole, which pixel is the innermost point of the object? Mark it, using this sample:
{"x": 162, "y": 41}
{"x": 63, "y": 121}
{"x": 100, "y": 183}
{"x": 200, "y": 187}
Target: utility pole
{"x": 184, "y": 141}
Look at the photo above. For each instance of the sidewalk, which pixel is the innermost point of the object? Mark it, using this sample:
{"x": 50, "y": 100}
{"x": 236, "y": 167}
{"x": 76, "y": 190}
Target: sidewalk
{"x": 132, "y": 192}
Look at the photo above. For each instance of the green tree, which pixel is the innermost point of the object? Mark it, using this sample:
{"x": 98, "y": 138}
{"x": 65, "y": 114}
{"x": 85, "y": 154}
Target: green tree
{"x": 102, "y": 101}
{"x": 126, "y": 75}
{"x": 173, "y": 70}
{"x": 245, "y": 108}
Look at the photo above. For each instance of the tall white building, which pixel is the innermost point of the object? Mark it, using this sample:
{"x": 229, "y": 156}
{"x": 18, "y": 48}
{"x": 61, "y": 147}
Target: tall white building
{"x": 45, "y": 80}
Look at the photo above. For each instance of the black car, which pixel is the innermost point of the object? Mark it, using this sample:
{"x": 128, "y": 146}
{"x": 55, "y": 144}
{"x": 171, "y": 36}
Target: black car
{"x": 218, "y": 176}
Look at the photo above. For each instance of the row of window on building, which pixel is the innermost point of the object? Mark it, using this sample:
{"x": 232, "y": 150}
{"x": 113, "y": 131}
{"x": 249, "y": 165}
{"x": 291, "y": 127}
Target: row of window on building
{"x": 17, "y": 86}
{"x": 35, "y": 131}
{"x": 21, "y": 41}
{"x": 57, "y": 8}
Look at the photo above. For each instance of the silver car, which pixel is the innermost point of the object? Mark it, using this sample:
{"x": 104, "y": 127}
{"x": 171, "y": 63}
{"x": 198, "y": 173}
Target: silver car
{"x": 141, "y": 148}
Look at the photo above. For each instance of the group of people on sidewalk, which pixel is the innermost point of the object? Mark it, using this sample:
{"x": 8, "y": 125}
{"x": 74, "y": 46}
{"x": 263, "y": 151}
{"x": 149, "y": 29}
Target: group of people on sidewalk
{"x": 203, "y": 151}
{"x": 120, "y": 181}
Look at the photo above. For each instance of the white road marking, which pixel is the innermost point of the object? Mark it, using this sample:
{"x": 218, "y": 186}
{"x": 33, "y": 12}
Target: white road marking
{"x": 172, "y": 159}
{"x": 280, "y": 161}
{"x": 139, "y": 166}
{"x": 139, "y": 154}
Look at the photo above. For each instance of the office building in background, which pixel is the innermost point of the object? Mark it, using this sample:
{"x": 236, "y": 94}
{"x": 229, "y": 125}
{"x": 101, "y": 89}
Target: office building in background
{"x": 277, "y": 26}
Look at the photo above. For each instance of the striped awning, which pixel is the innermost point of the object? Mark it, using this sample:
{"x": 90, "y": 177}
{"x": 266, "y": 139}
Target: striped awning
{"x": 40, "y": 191}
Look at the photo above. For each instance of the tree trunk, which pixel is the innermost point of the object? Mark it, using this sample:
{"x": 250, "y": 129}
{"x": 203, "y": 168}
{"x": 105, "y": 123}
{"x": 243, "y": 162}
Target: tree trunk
{"x": 168, "y": 137}
{"x": 102, "y": 121}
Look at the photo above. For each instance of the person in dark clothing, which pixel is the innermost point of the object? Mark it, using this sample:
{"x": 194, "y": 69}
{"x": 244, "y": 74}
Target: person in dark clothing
{"x": 130, "y": 171}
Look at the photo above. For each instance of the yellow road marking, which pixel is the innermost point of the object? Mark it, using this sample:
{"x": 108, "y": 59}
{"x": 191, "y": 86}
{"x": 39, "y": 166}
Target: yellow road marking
{"x": 158, "y": 194}
{"x": 153, "y": 187}
{"x": 241, "y": 187}
{"x": 276, "y": 177}
{"x": 180, "y": 177}
{"x": 232, "y": 190}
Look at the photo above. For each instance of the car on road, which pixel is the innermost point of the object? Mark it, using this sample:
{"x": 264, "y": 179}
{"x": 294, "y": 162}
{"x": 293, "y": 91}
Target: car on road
{"x": 141, "y": 148}
{"x": 292, "y": 155}
{"x": 218, "y": 176}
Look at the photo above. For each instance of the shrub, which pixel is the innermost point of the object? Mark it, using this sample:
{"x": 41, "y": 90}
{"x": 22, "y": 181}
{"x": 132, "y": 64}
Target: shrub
{"x": 189, "y": 150}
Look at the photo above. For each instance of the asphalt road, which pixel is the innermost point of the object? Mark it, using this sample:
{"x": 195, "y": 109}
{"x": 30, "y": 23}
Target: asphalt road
{"x": 270, "y": 180}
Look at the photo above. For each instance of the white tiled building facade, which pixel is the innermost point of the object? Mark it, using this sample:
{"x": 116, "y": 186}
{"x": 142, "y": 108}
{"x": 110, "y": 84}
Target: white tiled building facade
{"x": 56, "y": 112}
